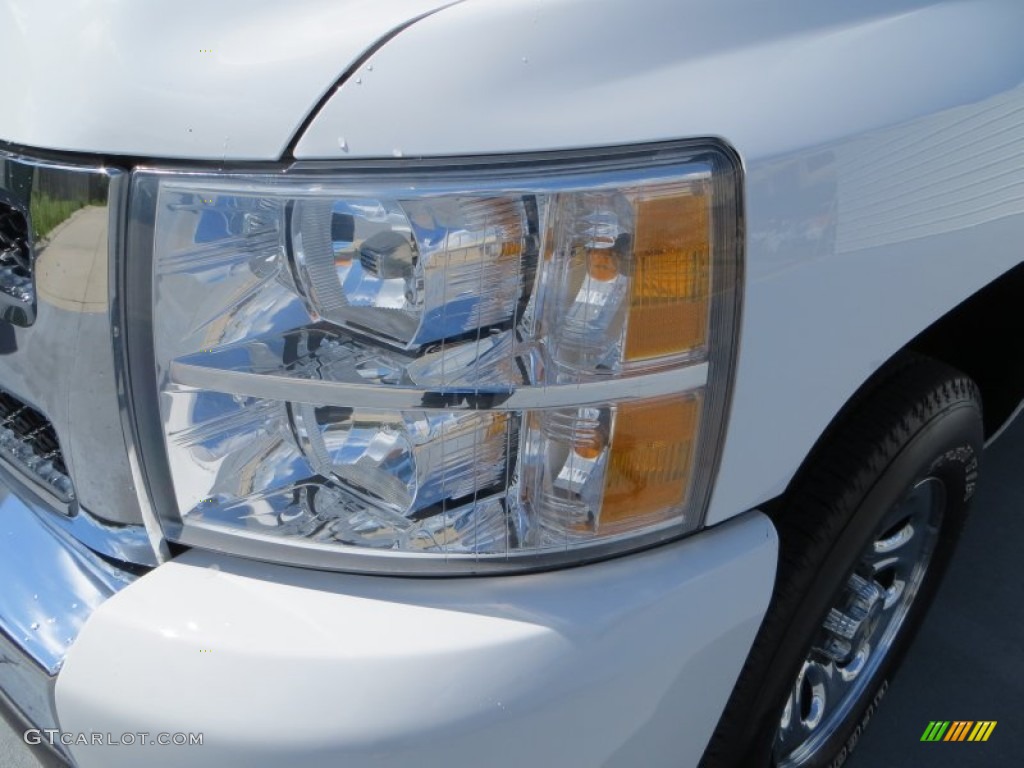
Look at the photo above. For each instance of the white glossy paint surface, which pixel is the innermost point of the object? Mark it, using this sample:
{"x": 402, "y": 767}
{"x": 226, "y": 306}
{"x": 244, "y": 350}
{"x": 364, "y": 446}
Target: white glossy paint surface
{"x": 198, "y": 79}
{"x": 625, "y": 663}
{"x": 882, "y": 141}
{"x": 491, "y": 76}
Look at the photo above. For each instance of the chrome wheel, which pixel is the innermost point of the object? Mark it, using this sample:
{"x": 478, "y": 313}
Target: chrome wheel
{"x": 867, "y": 614}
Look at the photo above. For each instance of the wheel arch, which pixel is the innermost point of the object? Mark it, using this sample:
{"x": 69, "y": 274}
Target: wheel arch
{"x": 975, "y": 337}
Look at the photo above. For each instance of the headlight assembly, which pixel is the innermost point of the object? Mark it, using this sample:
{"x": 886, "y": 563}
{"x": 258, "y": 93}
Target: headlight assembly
{"x": 435, "y": 366}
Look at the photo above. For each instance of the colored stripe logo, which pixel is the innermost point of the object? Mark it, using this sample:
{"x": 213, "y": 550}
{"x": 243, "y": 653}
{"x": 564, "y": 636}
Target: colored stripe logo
{"x": 958, "y": 730}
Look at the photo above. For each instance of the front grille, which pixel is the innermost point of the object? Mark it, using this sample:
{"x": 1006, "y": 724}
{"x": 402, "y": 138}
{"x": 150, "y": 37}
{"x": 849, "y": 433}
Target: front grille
{"x": 28, "y": 443}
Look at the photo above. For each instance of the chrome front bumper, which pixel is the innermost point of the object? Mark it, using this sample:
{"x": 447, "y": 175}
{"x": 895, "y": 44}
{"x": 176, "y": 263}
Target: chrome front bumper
{"x": 51, "y": 585}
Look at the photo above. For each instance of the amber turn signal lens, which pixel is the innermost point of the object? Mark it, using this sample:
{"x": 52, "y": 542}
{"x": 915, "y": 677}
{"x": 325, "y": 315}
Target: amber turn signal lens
{"x": 670, "y": 290}
{"x": 650, "y": 461}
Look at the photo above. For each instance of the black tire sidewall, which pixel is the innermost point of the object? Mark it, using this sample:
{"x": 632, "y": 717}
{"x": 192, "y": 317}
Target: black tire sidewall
{"x": 948, "y": 447}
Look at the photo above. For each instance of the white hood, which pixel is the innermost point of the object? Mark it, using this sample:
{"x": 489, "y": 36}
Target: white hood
{"x": 200, "y": 79}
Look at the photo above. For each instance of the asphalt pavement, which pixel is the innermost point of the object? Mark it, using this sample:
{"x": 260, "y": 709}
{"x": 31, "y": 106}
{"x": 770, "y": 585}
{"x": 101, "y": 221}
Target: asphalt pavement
{"x": 967, "y": 662}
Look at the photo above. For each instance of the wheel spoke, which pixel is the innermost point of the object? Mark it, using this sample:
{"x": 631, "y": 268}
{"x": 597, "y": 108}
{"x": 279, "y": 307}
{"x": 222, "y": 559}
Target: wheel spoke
{"x": 894, "y": 539}
{"x": 874, "y": 563}
{"x": 894, "y": 593}
{"x": 835, "y": 686}
{"x": 819, "y": 683}
{"x": 849, "y": 672}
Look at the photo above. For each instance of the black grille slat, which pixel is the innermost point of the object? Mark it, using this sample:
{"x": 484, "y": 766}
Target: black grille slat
{"x": 14, "y": 240}
{"x": 29, "y": 443}
{"x": 17, "y": 286}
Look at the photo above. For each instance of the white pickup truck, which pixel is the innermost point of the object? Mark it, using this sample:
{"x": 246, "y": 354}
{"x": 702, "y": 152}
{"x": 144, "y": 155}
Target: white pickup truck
{"x": 495, "y": 382}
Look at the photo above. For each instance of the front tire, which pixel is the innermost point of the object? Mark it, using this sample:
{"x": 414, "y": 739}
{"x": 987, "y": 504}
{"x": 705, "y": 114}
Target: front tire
{"x": 866, "y": 533}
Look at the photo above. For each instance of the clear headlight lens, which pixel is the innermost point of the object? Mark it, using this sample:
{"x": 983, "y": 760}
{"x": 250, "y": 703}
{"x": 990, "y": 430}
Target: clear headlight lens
{"x": 508, "y": 364}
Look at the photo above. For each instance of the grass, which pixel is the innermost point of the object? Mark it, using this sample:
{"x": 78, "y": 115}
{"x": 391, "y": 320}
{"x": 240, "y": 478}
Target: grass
{"x": 48, "y": 212}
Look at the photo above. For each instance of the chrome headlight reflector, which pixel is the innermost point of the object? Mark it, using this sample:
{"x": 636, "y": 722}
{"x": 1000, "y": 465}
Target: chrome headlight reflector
{"x": 432, "y": 366}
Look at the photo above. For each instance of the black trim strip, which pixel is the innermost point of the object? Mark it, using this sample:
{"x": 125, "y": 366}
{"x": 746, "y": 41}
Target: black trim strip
{"x": 289, "y": 152}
